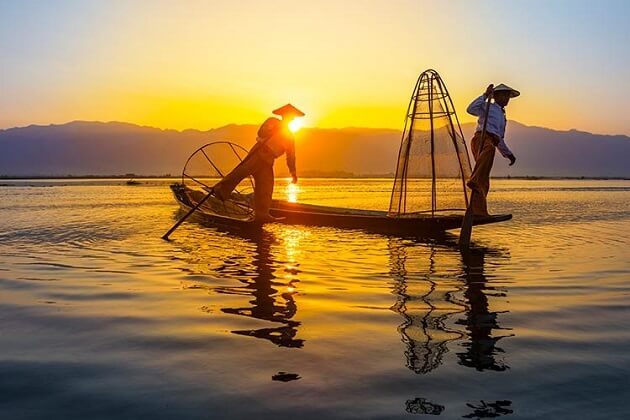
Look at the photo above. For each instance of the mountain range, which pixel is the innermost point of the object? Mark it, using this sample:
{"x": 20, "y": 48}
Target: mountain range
{"x": 113, "y": 148}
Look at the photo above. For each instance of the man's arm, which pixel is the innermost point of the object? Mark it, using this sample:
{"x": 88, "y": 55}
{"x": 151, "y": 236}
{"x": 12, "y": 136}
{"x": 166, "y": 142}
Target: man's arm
{"x": 290, "y": 152}
{"x": 476, "y": 107}
{"x": 506, "y": 152}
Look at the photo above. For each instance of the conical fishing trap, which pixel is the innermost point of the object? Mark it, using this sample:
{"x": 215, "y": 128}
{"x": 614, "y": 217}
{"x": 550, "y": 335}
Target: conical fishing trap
{"x": 433, "y": 163}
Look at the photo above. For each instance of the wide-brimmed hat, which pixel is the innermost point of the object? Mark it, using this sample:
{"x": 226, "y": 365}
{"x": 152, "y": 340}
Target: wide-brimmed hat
{"x": 288, "y": 110}
{"x": 501, "y": 87}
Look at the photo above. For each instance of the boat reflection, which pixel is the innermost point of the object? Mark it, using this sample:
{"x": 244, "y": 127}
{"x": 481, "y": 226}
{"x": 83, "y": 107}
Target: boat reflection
{"x": 272, "y": 297}
{"x": 444, "y": 298}
{"x": 434, "y": 306}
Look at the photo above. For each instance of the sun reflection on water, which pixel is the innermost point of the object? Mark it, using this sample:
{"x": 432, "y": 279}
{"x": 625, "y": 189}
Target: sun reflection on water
{"x": 292, "y": 191}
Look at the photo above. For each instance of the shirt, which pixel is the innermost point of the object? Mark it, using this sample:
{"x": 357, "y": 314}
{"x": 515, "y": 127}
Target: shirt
{"x": 279, "y": 140}
{"x": 496, "y": 121}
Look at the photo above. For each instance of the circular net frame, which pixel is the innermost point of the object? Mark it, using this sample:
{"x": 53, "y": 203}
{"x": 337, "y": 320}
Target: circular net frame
{"x": 207, "y": 166}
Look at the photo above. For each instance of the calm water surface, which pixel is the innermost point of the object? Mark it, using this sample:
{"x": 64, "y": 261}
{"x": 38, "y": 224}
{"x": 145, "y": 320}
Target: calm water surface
{"x": 100, "y": 318}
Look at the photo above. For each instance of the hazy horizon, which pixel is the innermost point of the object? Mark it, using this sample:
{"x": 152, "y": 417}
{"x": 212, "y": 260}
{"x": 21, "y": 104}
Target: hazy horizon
{"x": 241, "y": 124}
{"x": 98, "y": 148}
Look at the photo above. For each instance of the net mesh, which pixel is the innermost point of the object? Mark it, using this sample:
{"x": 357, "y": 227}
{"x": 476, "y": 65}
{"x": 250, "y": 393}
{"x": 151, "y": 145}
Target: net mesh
{"x": 433, "y": 162}
{"x": 207, "y": 166}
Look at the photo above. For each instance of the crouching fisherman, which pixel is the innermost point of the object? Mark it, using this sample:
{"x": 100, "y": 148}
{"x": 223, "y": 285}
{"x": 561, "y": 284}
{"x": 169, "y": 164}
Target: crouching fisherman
{"x": 274, "y": 139}
{"x": 483, "y": 147}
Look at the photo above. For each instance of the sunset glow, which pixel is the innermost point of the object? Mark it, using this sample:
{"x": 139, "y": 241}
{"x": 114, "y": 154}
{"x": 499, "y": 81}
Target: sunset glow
{"x": 196, "y": 67}
{"x": 296, "y": 124}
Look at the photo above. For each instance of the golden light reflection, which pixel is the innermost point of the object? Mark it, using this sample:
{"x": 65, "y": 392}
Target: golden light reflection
{"x": 292, "y": 192}
{"x": 296, "y": 124}
{"x": 291, "y": 237}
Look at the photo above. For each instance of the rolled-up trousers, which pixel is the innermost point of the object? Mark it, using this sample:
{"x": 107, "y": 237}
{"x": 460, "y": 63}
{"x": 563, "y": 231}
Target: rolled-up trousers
{"x": 483, "y": 149}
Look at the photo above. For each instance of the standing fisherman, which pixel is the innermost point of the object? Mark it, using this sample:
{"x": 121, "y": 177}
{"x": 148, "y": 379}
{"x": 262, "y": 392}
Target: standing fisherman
{"x": 274, "y": 139}
{"x": 483, "y": 147}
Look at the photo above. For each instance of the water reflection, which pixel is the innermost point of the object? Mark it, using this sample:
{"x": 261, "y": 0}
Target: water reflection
{"x": 292, "y": 192}
{"x": 268, "y": 303}
{"x": 442, "y": 296}
{"x": 430, "y": 296}
{"x": 487, "y": 410}
{"x": 480, "y": 410}
{"x": 423, "y": 406}
{"x": 424, "y": 305}
{"x": 482, "y": 352}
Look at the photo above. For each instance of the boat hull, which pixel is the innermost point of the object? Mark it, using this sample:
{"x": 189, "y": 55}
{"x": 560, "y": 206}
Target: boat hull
{"x": 314, "y": 215}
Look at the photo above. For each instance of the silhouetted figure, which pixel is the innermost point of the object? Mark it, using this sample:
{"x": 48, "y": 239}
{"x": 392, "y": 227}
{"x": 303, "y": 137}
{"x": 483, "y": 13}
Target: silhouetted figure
{"x": 273, "y": 140}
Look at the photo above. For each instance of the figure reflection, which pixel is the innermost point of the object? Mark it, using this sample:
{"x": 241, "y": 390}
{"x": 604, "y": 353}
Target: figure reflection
{"x": 268, "y": 303}
{"x": 430, "y": 304}
{"x": 482, "y": 352}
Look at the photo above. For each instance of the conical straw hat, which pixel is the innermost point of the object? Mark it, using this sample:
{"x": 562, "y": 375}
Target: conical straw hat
{"x": 288, "y": 110}
{"x": 502, "y": 87}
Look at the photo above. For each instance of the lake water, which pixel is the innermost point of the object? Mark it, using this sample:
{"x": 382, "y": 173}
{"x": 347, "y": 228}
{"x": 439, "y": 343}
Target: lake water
{"x": 100, "y": 318}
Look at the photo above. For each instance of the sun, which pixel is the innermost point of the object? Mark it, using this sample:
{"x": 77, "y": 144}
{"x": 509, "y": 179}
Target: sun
{"x": 295, "y": 125}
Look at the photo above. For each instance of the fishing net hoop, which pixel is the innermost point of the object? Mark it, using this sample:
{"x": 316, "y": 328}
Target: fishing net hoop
{"x": 209, "y": 164}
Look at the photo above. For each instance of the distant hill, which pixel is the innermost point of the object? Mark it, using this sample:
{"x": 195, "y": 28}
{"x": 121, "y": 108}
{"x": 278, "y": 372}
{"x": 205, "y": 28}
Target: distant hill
{"x": 97, "y": 148}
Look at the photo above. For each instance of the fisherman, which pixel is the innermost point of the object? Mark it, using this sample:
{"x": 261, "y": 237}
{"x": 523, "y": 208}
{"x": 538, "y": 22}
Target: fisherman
{"x": 273, "y": 140}
{"x": 483, "y": 147}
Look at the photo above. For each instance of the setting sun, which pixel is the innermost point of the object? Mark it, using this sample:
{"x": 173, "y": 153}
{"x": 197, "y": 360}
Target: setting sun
{"x": 296, "y": 124}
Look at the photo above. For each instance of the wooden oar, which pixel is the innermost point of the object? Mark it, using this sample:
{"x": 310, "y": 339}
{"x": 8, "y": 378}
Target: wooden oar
{"x": 191, "y": 211}
{"x": 466, "y": 231}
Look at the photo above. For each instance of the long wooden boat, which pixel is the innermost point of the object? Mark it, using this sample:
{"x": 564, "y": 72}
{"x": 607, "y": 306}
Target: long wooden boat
{"x": 315, "y": 215}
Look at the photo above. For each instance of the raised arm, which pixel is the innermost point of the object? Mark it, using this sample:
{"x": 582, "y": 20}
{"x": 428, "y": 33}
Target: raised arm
{"x": 476, "y": 107}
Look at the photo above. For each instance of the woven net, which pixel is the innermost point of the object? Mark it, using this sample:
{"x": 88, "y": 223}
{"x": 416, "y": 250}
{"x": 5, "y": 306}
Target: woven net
{"x": 433, "y": 162}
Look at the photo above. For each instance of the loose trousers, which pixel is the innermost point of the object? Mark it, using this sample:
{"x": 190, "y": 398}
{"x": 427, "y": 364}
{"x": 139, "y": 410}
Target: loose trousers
{"x": 258, "y": 165}
{"x": 483, "y": 149}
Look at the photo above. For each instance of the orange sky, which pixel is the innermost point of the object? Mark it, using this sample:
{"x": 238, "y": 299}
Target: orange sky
{"x": 199, "y": 64}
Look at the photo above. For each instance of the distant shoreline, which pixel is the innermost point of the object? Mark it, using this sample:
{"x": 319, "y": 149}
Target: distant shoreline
{"x": 306, "y": 176}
